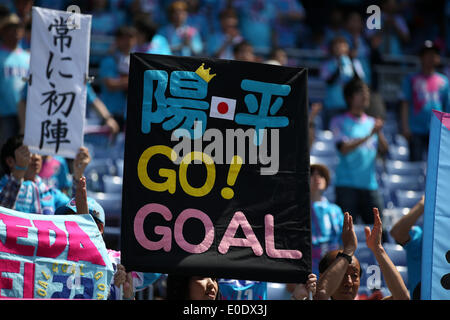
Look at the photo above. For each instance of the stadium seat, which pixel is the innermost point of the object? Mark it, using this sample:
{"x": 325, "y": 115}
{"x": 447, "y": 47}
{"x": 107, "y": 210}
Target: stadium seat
{"x": 323, "y": 149}
{"x": 403, "y": 270}
{"x": 395, "y": 182}
{"x": 364, "y": 254}
{"x": 111, "y": 203}
{"x": 398, "y": 153}
{"x": 359, "y": 231}
{"x": 405, "y": 167}
{"x": 119, "y": 166}
{"x": 396, "y": 253}
{"x": 400, "y": 140}
{"x": 277, "y": 291}
{"x": 407, "y": 198}
{"x": 112, "y": 184}
{"x": 324, "y": 135}
{"x": 392, "y": 215}
{"x": 330, "y": 161}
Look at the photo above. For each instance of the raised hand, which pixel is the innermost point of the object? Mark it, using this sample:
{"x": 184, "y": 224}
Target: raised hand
{"x": 81, "y": 196}
{"x": 349, "y": 240}
{"x": 81, "y": 161}
{"x": 374, "y": 236}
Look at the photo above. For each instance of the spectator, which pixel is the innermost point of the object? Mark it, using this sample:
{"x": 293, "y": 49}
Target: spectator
{"x": 335, "y": 27}
{"x": 421, "y": 93}
{"x": 220, "y": 44}
{"x": 55, "y": 173}
{"x": 184, "y": 39}
{"x": 104, "y": 20}
{"x": 326, "y": 218}
{"x": 340, "y": 271}
{"x": 278, "y": 57}
{"x": 131, "y": 281}
{"x": 22, "y": 189}
{"x": 243, "y": 51}
{"x": 336, "y": 72}
{"x": 394, "y": 30}
{"x": 148, "y": 39}
{"x": 314, "y": 111}
{"x": 288, "y": 25}
{"x": 257, "y": 18}
{"x": 113, "y": 75}
{"x": 14, "y": 66}
{"x": 357, "y": 137}
{"x": 180, "y": 287}
{"x": 409, "y": 235}
{"x": 359, "y": 47}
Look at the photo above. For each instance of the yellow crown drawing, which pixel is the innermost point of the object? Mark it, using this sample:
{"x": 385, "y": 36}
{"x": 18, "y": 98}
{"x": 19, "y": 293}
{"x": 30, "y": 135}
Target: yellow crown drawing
{"x": 204, "y": 73}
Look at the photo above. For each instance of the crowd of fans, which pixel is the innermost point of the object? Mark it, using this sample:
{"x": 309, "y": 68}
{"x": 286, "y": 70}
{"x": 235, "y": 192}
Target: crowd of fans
{"x": 351, "y": 110}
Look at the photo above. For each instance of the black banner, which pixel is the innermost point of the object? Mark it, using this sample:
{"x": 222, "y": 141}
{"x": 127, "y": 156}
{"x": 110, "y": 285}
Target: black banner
{"x": 216, "y": 173}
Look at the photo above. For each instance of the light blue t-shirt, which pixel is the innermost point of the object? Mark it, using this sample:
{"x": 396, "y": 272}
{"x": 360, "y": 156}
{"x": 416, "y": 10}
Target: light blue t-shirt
{"x": 423, "y": 94}
{"x": 37, "y": 197}
{"x": 158, "y": 45}
{"x": 256, "y": 19}
{"x": 414, "y": 257}
{"x": 327, "y": 220}
{"x": 231, "y": 289}
{"x": 334, "y": 93}
{"x": 356, "y": 169}
{"x": 176, "y": 36}
{"x": 14, "y": 66}
{"x": 115, "y": 101}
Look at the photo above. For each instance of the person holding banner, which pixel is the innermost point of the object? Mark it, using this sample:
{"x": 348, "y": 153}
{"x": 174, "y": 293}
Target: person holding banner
{"x": 340, "y": 271}
{"x": 22, "y": 189}
{"x": 125, "y": 283}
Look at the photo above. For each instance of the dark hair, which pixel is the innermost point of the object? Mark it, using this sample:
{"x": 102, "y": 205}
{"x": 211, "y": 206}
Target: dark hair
{"x": 144, "y": 25}
{"x": 228, "y": 13}
{"x": 328, "y": 259}
{"x": 353, "y": 86}
{"x": 241, "y": 45}
{"x": 8, "y": 150}
{"x": 178, "y": 287}
{"x": 125, "y": 31}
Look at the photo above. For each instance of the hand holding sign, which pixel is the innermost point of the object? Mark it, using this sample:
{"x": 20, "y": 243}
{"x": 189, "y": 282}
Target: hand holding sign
{"x": 121, "y": 277}
{"x": 81, "y": 197}
{"x": 81, "y": 161}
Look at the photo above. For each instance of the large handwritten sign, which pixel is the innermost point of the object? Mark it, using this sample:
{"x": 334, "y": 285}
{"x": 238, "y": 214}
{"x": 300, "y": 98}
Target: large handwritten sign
{"x": 436, "y": 248}
{"x": 52, "y": 257}
{"x": 56, "y": 99}
{"x": 216, "y": 169}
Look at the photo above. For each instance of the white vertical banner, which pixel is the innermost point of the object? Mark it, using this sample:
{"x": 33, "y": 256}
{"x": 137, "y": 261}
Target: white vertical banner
{"x": 56, "y": 97}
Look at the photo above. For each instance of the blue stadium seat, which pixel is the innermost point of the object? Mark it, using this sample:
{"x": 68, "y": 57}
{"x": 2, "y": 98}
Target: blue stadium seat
{"x": 398, "y": 153}
{"x": 324, "y": 135}
{"x": 395, "y": 182}
{"x": 405, "y": 167}
{"x": 359, "y": 231}
{"x": 330, "y": 161}
{"x": 112, "y": 184}
{"x": 396, "y": 253}
{"x": 407, "y": 198}
{"x": 119, "y": 166}
{"x": 400, "y": 140}
{"x": 323, "y": 149}
{"x": 111, "y": 203}
{"x": 364, "y": 254}
{"x": 403, "y": 270}
{"x": 392, "y": 215}
{"x": 277, "y": 291}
